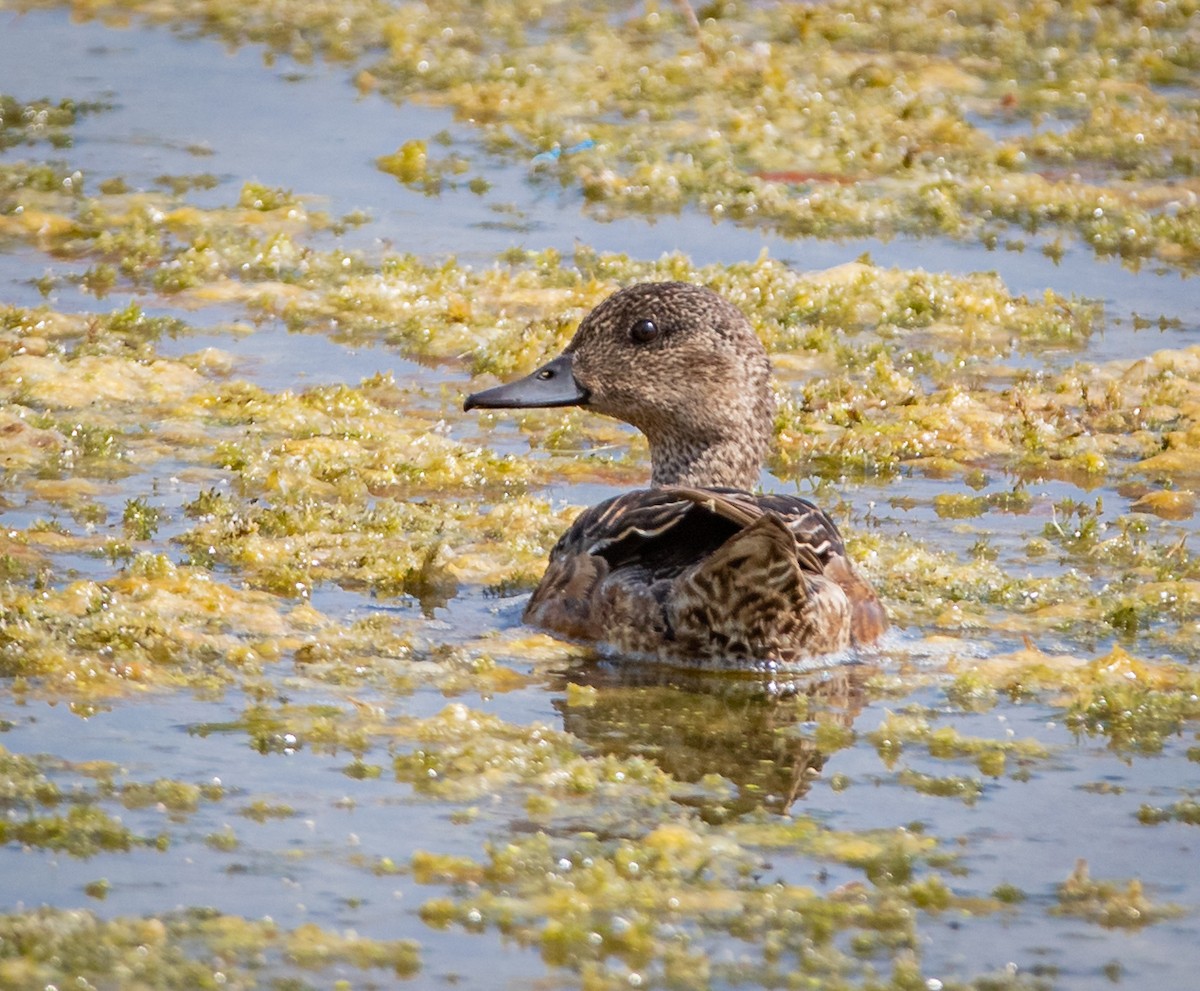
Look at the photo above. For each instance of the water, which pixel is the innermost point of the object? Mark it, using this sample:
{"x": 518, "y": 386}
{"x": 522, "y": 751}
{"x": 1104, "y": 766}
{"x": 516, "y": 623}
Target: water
{"x": 184, "y": 106}
{"x": 309, "y": 131}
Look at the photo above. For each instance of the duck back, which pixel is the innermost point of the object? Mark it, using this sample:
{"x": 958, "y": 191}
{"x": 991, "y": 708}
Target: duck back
{"x": 699, "y": 575}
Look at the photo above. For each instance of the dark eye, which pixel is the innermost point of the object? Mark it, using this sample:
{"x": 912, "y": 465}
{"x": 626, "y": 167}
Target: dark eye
{"x": 644, "y": 331}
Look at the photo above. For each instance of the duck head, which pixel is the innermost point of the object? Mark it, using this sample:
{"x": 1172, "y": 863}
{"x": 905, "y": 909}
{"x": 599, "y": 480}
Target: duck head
{"x": 677, "y": 361}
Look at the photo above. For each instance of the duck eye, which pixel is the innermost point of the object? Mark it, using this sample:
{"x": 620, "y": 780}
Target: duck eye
{"x": 644, "y": 331}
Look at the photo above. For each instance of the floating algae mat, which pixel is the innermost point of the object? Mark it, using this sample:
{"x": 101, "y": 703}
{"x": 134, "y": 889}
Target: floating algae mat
{"x": 268, "y": 715}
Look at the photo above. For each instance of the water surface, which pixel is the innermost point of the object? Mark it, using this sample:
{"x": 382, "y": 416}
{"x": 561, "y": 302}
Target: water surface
{"x": 181, "y": 106}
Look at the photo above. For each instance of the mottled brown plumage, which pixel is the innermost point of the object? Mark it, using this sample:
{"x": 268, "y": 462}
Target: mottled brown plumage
{"x": 695, "y": 569}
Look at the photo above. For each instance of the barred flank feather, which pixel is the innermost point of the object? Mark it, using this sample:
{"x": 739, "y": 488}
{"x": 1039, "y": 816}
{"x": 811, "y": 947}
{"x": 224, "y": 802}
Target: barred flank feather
{"x": 689, "y": 574}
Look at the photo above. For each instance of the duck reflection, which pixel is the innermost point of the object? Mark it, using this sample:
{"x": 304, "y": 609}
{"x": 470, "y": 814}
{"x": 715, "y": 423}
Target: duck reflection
{"x": 754, "y": 730}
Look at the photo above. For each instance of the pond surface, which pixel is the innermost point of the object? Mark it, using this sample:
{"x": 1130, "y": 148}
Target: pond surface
{"x": 416, "y": 776}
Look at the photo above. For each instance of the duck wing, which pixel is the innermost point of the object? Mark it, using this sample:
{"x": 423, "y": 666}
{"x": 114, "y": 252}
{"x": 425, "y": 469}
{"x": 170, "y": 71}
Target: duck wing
{"x": 639, "y": 540}
{"x": 684, "y": 570}
{"x": 820, "y": 550}
{"x": 816, "y": 535}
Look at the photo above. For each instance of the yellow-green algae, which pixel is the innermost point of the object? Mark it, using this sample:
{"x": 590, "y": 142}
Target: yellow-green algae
{"x": 1109, "y": 903}
{"x": 638, "y": 909}
{"x": 900, "y": 730}
{"x": 890, "y": 396}
{"x": 620, "y": 879}
{"x": 880, "y": 372}
{"x": 1135, "y": 705}
{"x": 155, "y": 624}
{"x": 39, "y": 120}
{"x": 1187, "y": 811}
{"x": 195, "y": 948}
{"x": 854, "y": 118}
{"x": 626, "y": 867}
{"x": 53, "y": 805}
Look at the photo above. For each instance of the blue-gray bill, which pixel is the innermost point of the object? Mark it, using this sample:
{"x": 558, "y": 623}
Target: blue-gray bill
{"x": 553, "y": 384}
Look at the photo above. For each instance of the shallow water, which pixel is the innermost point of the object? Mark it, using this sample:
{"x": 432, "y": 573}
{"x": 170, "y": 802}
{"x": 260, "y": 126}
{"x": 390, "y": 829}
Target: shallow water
{"x": 182, "y": 106}
{"x": 299, "y": 127}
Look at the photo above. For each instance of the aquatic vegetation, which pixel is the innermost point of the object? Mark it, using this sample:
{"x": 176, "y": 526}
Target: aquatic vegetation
{"x": 1136, "y": 717}
{"x": 900, "y": 730}
{"x": 156, "y": 624}
{"x": 194, "y": 948}
{"x": 140, "y": 519}
{"x": 1107, "y": 902}
{"x": 466, "y": 754}
{"x": 52, "y": 805}
{"x": 326, "y": 569}
{"x": 30, "y": 798}
{"x": 640, "y": 909}
{"x": 412, "y": 165}
{"x": 382, "y": 487}
{"x": 81, "y": 831}
{"x": 40, "y": 120}
{"x": 260, "y": 811}
{"x": 900, "y": 118}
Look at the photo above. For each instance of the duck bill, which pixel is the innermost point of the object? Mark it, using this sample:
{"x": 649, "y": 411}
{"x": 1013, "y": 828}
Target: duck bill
{"x": 553, "y": 384}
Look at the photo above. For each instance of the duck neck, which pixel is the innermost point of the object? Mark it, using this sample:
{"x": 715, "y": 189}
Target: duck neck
{"x": 730, "y": 462}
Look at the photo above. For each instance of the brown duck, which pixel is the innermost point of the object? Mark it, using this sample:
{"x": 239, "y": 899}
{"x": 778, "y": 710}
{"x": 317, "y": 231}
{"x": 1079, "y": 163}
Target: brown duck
{"x": 695, "y": 569}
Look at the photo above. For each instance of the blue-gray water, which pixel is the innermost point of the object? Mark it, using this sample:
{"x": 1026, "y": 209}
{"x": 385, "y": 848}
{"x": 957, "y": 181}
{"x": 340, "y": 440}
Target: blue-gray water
{"x": 307, "y": 129}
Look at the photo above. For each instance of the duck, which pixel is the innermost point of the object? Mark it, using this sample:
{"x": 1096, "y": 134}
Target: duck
{"x": 698, "y": 569}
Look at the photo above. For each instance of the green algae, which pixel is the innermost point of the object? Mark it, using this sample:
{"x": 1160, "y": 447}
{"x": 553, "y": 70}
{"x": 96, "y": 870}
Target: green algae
{"x": 338, "y": 485}
{"x": 1186, "y": 811}
{"x": 155, "y": 625}
{"x": 1135, "y": 717}
{"x": 335, "y": 484}
{"x": 224, "y": 841}
{"x": 412, "y": 165}
{"x": 1109, "y": 903}
{"x": 823, "y": 433}
{"x": 194, "y": 948}
{"x": 55, "y": 806}
{"x": 966, "y": 789}
{"x": 262, "y": 811}
{"x": 82, "y": 831}
{"x": 140, "y": 519}
{"x": 463, "y": 754}
{"x": 40, "y": 120}
{"x": 619, "y": 909}
{"x": 993, "y": 758}
{"x": 618, "y": 860}
{"x": 604, "y": 891}
{"x": 901, "y": 118}
{"x": 275, "y": 725}
{"x": 178, "y": 798}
